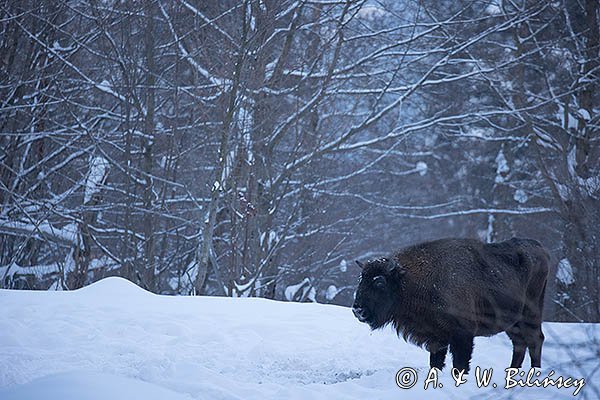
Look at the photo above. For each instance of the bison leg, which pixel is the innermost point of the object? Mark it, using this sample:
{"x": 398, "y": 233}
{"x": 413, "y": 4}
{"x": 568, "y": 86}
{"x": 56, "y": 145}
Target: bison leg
{"x": 525, "y": 335}
{"x": 535, "y": 339}
{"x": 437, "y": 359}
{"x": 461, "y": 349}
{"x": 532, "y": 326}
{"x": 519, "y": 346}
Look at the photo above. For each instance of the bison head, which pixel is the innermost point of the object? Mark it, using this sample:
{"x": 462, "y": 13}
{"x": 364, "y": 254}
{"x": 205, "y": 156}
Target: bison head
{"x": 378, "y": 290}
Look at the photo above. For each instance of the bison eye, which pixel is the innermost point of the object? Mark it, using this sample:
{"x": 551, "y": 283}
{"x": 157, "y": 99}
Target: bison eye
{"x": 379, "y": 282}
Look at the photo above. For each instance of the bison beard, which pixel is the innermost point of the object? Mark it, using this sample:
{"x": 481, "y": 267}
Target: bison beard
{"x": 442, "y": 294}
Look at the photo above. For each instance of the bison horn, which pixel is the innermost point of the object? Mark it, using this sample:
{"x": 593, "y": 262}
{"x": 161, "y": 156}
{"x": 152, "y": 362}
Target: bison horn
{"x": 393, "y": 265}
{"x": 361, "y": 265}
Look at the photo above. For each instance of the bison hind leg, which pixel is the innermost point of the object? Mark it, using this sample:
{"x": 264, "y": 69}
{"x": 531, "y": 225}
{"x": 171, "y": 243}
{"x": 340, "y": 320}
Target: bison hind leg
{"x": 526, "y": 336}
{"x": 535, "y": 340}
{"x": 532, "y": 326}
{"x": 519, "y": 346}
{"x": 437, "y": 358}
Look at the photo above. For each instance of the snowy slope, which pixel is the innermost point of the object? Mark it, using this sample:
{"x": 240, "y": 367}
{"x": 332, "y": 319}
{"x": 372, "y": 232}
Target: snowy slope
{"x": 113, "y": 340}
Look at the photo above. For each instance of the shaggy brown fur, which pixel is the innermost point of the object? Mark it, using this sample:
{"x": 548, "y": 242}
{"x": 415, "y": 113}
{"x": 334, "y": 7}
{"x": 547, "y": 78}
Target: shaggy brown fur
{"x": 443, "y": 293}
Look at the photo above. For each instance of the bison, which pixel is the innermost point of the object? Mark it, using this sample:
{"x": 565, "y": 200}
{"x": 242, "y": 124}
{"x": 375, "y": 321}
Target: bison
{"x": 443, "y": 293}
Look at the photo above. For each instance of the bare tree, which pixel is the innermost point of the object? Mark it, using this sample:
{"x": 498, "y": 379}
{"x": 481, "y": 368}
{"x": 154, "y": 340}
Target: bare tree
{"x": 253, "y": 148}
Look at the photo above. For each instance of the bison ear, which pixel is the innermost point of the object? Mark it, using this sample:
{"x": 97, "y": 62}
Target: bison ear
{"x": 361, "y": 265}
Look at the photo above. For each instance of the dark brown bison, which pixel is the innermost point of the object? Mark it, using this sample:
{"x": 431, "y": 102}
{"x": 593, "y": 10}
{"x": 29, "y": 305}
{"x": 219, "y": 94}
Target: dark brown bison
{"x": 443, "y": 293}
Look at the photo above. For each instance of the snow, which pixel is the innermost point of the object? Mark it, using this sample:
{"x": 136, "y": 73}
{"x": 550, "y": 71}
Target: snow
{"x": 564, "y": 273}
{"x": 421, "y": 168}
{"x": 70, "y": 230}
{"x": 98, "y": 172}
{"x": 493, "y": 9}
{"x": 56, "y": 46}
{"x": 252, "y": 18}
{"x": 229, "y": 161}
{"x": 343, "y": 266}
{"x": 9, "y": 271}
{"x": 572, "y": 161}
{"x": 502, "y": 168}
{"x": 480, "y": 132}
{"x": 104, "y": 262}
{"x": 106, "y": 87}
{"x": 371, "y": 12}
{"x": 546, "y": 140}
{"x": 69, "y": 264}
{"x": 92, "y": 386}
{"x": 331, "y": 292}
{"x": 488, "y": 234}
{"x": 520, "y": 196}
{"x": 67, "y": 234}
{"x": 273, "y": 238}
{"x": 563, "y": 191}
{"x": 245, "y": 122}
{"x": 269, "y": 69}
{"x": 567, "y": 120}
{"x": 113, "y": 340}
{"x": 592, "y": 184}
{"x": 585, "y": 114}
{"x": 308, "y": 291}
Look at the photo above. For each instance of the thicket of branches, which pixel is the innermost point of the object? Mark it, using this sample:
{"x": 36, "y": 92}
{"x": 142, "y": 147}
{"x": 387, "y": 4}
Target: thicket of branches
{"x": 255, "y": 148}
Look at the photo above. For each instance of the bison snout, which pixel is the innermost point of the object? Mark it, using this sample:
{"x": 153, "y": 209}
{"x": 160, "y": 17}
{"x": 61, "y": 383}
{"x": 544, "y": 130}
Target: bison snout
{"x": 359, "y": 313}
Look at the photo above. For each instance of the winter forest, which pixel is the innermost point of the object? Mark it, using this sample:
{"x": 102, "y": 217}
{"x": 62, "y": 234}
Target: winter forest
{"x": 251, "y": 148}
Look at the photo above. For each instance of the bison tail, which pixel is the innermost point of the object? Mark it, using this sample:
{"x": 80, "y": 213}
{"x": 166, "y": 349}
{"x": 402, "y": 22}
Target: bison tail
{"x": 543, "y": 295}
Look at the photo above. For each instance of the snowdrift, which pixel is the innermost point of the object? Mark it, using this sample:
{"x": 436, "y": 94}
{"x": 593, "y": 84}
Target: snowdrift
{"x": 113, "y": 340}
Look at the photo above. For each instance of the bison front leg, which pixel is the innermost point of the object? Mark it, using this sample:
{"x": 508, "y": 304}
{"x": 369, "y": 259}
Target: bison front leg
{"x": 437, "y": 358}
{"x": 461, "y": 348}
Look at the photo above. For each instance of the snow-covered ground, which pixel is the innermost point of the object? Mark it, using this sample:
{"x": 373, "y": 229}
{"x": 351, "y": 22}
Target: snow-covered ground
{"x": 113, "y": 340}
